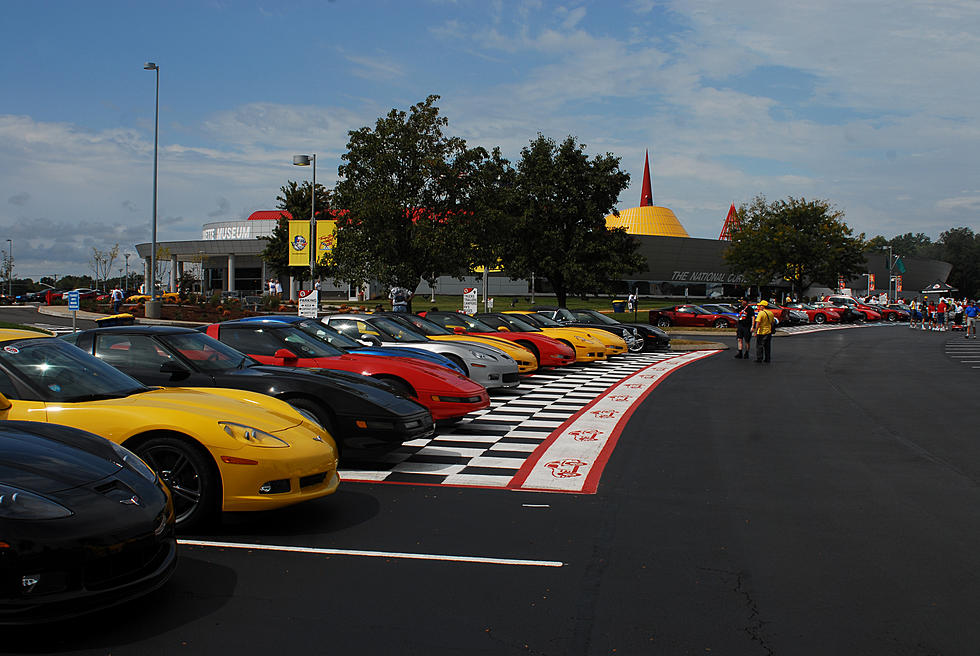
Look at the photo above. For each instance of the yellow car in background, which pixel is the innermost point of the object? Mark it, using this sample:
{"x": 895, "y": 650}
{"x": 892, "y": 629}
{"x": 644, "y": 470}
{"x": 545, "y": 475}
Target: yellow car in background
{"x": 587, "y": 349}
{"x": 215, "y": 449}
{"x": 166, "y": 297}
{"x": 526, "y": 361}
{"x": 613, "y": 344}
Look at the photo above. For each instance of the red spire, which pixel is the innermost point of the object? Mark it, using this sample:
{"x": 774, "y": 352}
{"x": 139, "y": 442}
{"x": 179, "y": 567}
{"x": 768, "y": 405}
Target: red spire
{"x": 731, "y": 222}
{"x": 646, "y": 194}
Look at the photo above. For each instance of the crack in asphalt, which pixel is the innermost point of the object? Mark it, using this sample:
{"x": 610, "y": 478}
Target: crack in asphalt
{"x": 756, "y": 628}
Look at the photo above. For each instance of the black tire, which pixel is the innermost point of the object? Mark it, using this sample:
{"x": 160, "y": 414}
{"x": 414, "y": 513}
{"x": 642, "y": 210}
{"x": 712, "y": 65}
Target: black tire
{"x": 721, "y": 323}
{"x": 533, "y": 349}
{"x": 663, "y": 322}
{"x": 638, "y": 345}
{"x": 400, "y": 386}
{"x": 819, "y": 318}
{"x": 189, "y": 474}
{"x": 892, "y": 317}
{"x": 458, "y": 361}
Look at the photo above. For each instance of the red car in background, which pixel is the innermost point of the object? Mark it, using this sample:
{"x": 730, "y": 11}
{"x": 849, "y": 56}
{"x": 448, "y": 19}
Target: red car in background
{"x": 550, "y": 352}
{"x": 690, "y": 315}
{"x": 447, "y": 394}
{"x": 870, "y": 313}
{"x": 817, "y": 314}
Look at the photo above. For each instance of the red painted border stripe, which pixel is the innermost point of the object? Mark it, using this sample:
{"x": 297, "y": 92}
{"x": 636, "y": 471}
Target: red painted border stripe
{"x": 591, "y": 483}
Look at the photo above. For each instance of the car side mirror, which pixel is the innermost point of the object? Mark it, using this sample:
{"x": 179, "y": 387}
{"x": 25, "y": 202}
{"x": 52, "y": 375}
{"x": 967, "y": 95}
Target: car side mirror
{"x": 175, "y": 369}
{"x": 503, "y": 329}
{"x": 370, "y": 340}
{"x": 5, "y": 403}
{"x": 285, "y": 354}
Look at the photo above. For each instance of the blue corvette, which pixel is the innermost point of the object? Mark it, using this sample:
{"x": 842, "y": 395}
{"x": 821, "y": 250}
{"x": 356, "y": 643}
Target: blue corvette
{"x": 348, "y": 345}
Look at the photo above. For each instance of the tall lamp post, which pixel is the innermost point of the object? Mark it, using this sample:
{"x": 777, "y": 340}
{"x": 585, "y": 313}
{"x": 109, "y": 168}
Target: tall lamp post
{"x": 153, "y": 305}
{"x": 126, "y": 285}
{"x": 306, "y": 160}
{"x": 10, "y": 267}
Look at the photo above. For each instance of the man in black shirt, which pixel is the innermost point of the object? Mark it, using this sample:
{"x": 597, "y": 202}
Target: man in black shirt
{"x": 743, "y": 330}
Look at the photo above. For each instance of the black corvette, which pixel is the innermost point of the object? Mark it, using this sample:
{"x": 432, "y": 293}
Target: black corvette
{"x": 356, "y": 410}
{"x": 646, "y": 336}
{"x": 84, "y": 524}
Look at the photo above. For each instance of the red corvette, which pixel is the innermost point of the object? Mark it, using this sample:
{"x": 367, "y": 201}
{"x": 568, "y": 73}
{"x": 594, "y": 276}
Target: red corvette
{"x": 816, "y": 314}
{"x": 690, "y": 315}
{"x": 447, "y": 394}
{"x": 550, "y": 352}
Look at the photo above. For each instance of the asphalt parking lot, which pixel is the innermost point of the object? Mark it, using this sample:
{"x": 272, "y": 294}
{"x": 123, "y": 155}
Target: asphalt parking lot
{"x": 824, "y": 503}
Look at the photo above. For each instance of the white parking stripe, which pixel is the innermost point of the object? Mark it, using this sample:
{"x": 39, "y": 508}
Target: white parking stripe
{"x": 374, "y": 554}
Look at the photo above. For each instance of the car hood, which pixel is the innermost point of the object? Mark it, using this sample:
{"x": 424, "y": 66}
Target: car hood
{"x": 50, "y": 458}
{"x": 247, "y": 408}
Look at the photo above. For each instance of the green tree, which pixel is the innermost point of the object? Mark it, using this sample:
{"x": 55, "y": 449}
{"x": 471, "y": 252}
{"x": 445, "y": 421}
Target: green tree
{"x": 913, "y": 245}
{"x": 406, "y": 186}
{"x": 877, "y": 244}
{"x": 561, "y": 200}
{"x": 294, "y": 200}
{"x": 800, "y": 241}
{"x": 961, "y": 248}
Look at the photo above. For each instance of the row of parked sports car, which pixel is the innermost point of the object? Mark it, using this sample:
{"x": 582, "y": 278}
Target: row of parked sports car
{"x": 834, "y": 309}
{"x": 237, "y": 416}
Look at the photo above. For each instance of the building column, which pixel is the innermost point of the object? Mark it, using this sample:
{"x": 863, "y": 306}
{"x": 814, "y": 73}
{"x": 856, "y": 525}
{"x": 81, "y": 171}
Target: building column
{"x": 293, "y": 289}
{"x": 231, "y": 272}
{"x": 173, "y": 273}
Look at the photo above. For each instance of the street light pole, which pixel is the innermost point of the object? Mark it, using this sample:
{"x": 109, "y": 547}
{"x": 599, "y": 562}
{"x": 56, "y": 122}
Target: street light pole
{"x": 10, "y": 267}
{"x": 126, "y": 285}
{"x": 306, "y": 160}
{"x": 154, "y": 308}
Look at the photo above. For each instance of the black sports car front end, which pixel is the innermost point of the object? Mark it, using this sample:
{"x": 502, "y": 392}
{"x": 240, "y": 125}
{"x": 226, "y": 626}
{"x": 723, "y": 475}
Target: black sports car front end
{"x": 84, "y": 524}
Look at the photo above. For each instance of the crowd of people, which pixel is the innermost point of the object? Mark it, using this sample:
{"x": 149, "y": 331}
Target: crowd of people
{"x": 945, "y": 314}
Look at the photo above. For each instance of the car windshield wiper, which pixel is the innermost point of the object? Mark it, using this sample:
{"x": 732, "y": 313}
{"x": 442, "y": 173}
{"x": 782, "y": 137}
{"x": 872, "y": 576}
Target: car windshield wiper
{"x": 94, "y": 397}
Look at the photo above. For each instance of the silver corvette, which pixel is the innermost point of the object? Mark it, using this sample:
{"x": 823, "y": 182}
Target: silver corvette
{"x": 483, "y": 364}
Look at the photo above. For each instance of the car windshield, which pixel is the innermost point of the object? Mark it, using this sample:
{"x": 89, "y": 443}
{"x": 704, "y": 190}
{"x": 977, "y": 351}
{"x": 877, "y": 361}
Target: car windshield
{"x": 700, "y": 310}
{"x": 510, "y": 322}
{"x": 461, "y": 320}
{"x": 305, "y": 345}
{"x": 593, "y": 316}
{"x": 62, "y": 372}
{"x": 207, "y": 353}
{"x": 328, "y": 335}
{"x": 397, "y": 331}
{"x": 541, "y": 320}
{"x": 422, "y": 325}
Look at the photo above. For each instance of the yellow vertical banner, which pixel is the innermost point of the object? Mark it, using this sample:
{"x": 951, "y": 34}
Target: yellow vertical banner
{"x": 299, "y": 243}
{"x": 326, "y": 237}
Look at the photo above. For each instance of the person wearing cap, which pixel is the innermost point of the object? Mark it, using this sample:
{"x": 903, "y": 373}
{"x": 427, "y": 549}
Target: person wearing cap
{"x": 762, "y": 326}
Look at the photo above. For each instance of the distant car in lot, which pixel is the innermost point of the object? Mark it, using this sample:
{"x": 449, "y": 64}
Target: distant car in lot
{"x": 643, "y": 335}
{"x": 612, "y": 341}
{"x": 356, "y": 410}
{"x": 84, "y": 522}
{"x": 690, "y": 315}
{"x": 547, "y": 351}
{"x": 166, "y": 297}
{"x": 816, "y": 314}
{"x": 86, "y": 292}
{"x": 870, "y": 313}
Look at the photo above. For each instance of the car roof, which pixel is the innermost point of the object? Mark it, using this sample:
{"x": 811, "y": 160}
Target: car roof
{"x": 144, "y": 330}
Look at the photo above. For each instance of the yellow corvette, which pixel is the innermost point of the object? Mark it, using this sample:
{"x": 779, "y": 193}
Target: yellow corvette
{"x": 587, "y": 349}
{"x": 614, "y": 345}
{"x": 216, "y": 449}
{"x": 166, "y": 297}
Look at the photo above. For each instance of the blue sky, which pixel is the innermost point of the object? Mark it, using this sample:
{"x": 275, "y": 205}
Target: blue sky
{"x": 871, "y": 105}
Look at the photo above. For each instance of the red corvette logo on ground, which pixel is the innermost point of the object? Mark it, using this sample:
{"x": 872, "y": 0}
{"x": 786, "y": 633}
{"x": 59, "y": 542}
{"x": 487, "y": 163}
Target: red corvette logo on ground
{"x": 567, "y": 468}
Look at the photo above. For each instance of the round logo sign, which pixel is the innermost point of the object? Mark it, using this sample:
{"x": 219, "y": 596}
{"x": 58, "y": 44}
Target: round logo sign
{"x": 299, "y": 242}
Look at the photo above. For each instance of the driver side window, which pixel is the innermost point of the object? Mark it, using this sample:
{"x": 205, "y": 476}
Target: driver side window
{"x": 137, "y": 351}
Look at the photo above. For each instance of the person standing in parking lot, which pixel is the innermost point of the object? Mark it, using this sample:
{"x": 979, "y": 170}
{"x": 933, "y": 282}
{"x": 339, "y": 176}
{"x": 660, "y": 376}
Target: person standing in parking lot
{"x": 743, "y": 330}
{"x": 117, "y": 299}
{"x": 970, "y": 312}
{"x": 762, "y": 326}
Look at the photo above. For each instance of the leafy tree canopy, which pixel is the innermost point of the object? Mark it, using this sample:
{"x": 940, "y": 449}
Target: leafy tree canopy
{"x": 408, "y": 188}
{"x": 801, "y": 241}
{"x": 294, "y": 200}
{"x": 561, "y": 200}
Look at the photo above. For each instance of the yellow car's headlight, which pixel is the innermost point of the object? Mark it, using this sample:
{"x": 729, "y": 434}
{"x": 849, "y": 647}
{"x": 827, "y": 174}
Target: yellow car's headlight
{"x": 252, "y": 436}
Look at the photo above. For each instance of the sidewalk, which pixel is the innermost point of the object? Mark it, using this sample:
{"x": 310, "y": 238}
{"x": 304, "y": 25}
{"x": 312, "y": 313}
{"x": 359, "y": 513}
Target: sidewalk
{"x": 64, "y": 312}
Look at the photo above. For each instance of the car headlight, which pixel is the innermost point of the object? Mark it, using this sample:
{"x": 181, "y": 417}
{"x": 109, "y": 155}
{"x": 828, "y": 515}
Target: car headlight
{"x": 133, "y": 461}
{"x": 16, "y": 503}
{"x": 252, "y": 436}
{"x": 481, "y": 356}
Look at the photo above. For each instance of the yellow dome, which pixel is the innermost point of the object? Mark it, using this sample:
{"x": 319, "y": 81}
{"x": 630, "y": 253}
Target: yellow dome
{"x": 648, "y": 220}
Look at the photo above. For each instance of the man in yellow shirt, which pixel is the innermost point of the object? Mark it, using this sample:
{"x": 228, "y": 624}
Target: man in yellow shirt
{"x": 762, "y": 327}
